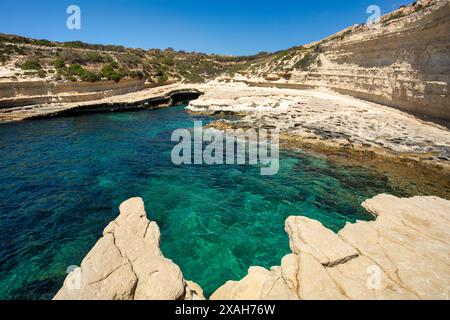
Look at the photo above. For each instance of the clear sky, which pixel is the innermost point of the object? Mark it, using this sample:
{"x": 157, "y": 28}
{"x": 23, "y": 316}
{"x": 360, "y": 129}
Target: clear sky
{"x": 237, "y": 27}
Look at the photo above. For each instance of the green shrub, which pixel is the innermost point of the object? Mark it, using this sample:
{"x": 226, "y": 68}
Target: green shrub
{"x": 192, "y": 77}
{"x": 44, "y": 43}
{"x": 306, "y": 61}
{"x": 59, "y": 63}
{"x": 83, "y": 58}
{"x": 100, "y": 47}
{"x": 74, "y": 57}
{"x": 31, "y": 64}
{"x": 111, "y": 71}
{"x": 91, "y": 77}
{"x": 20, "y": 51}
{"x": 116, "y": 76}
{"x": 394, "y": 16}
{"x": 107, "y": 69}
{"x": 130, "y": 59}
{"x": 94, "y": 57}
{"x": 42, "y": 74}
{"x": 136, "y": 74}
{"x": 162, "y": 78}
{"x": 167, "y": 60}
{"x": 74, "y": 44}
{"x": 76, "y": 70}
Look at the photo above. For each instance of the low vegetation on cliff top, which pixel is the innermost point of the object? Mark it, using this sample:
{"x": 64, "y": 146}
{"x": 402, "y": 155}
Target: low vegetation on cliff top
{"x": 78, "y": 61}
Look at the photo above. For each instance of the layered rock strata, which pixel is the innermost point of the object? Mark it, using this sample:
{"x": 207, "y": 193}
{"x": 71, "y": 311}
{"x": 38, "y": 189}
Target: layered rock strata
{"x": 127, "y": 264}
{"x": 23, "y": 93}
{"x": 326, "y": 117}
{"x": 144, "y": 99}
{"x": 403, "y": 254}
{"x": 411, "y": 152}
{"x": 403, "y": 61}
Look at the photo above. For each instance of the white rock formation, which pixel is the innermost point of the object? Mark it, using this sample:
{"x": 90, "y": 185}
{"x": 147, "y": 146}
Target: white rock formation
{"x": 325, "y": 116}
{"x": 403, "y": 254}
{"x": 127, "y": 264}
{"x": 403, "y": 61}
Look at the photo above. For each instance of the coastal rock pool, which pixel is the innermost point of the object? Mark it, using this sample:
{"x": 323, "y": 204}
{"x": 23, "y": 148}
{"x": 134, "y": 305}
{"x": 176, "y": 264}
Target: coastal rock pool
{"x": 62, "y": 180}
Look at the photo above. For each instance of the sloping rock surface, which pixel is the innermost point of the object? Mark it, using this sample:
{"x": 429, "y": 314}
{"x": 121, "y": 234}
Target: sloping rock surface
{"x": 402, "y": 61}
{"x": 403, "y": 254}
{"x": 127, "y": 264}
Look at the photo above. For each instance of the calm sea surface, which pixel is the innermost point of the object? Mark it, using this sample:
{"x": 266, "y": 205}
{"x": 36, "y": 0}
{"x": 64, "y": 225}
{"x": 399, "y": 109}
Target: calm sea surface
{"x": 62, "y": 180}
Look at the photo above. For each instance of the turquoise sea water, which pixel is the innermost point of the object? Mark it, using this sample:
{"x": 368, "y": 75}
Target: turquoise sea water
{"x": 62, "y": 180}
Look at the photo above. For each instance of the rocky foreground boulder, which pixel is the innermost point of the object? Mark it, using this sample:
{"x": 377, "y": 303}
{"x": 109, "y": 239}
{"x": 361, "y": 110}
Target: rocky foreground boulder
{"x": 127, "y": 264}
{"x": 403, "y": 254}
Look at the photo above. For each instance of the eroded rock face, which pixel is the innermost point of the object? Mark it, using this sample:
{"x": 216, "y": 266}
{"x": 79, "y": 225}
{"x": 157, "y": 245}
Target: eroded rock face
{"x": 404, "y": 254}
{"x": 309, "y": 236}
{"x": 402, "y": 62}
{"x": 127, "y": 264}
{"x": 259, "y": 284}
{"x": 325, "y": 117}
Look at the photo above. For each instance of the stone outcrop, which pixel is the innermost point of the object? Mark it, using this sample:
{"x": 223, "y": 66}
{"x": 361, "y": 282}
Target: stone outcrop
{"x": 413, "y": 152}
{"x": 403, "y": 254}
{"x": 62, "y": 105}
{"x": 325, "y": 116}
{"x": 127, "y": 264}
{"x": 403, "y": 61}
{"x": 25, "y": 93}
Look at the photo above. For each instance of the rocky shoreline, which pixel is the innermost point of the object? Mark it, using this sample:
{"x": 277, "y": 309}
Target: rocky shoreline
{"x": 403, "y": 254}
{"x": 408, "y": 243}
{"x": 410, "y": 151}
{"x": 352, "y": 97}
{"x": 151, "y": 98}
{"x": 127, "y": 264}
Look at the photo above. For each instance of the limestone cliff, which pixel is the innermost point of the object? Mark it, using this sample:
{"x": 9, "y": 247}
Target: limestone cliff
{"x": 403, "y": 61}
{"x": 127, "y": 264}
{"x": 28, "y": 93}
{"x": 404, "y": 254}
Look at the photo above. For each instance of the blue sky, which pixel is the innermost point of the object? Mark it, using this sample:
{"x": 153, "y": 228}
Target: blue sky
{"x": 236, "y": 27}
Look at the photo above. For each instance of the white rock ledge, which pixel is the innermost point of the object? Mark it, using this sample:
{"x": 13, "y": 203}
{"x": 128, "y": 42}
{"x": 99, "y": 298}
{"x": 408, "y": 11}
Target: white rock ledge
{"x": 403, "y": 254}
{"x": 407, "y": 246}
{"x": 127, "y": 264}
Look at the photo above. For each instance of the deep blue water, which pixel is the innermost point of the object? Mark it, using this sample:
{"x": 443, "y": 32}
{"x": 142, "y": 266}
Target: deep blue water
{"x": 62, "y": 180}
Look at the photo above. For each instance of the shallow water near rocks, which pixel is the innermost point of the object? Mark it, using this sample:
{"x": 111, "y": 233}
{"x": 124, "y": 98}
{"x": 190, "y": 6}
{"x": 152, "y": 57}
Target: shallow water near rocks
{"x": 62, "y": 180}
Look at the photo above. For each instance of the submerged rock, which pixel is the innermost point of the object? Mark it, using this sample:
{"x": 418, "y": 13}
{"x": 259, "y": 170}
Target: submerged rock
{"x": 127, "y": 264}
{"x": 403, "y": 254}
